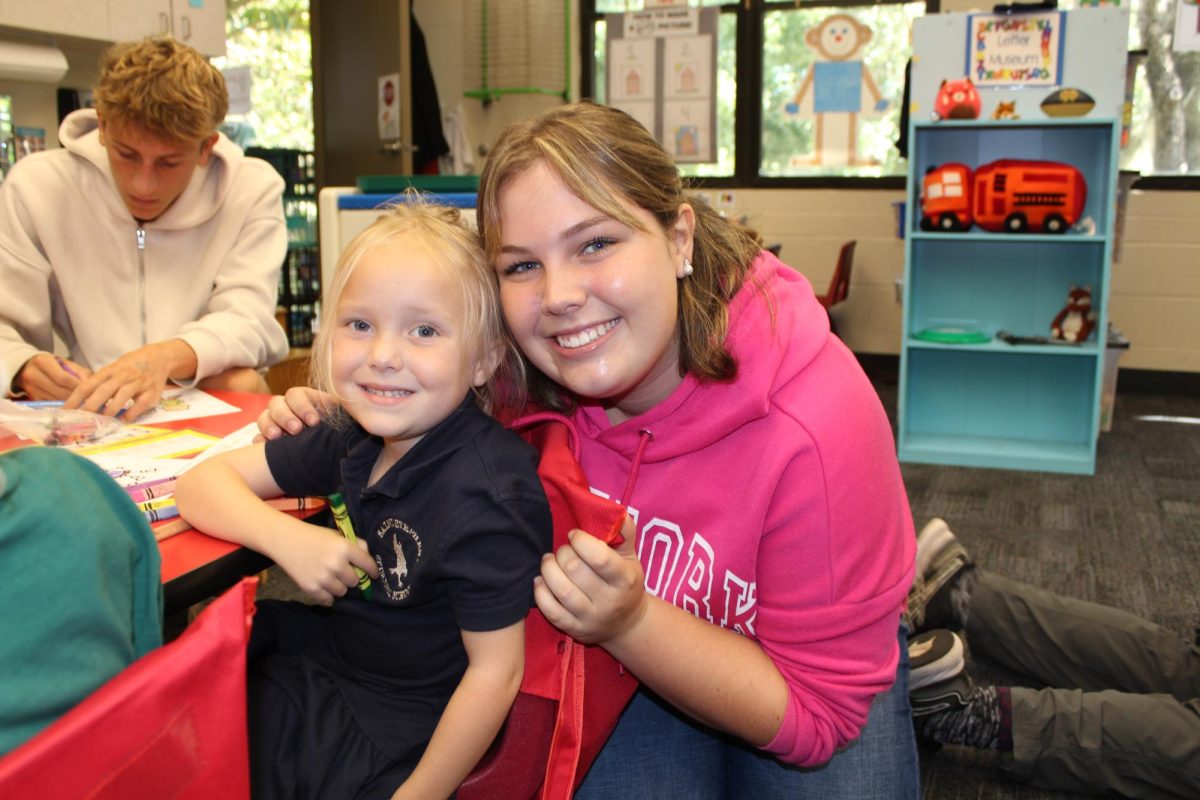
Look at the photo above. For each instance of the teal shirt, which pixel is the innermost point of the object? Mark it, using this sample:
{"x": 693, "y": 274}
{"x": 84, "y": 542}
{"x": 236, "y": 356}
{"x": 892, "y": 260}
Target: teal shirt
{"x": 80, "y": 586}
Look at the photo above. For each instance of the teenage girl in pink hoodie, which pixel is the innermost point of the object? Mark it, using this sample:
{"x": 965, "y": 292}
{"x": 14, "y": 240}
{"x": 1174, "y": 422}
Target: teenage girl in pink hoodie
{"x": 770, "y": 541}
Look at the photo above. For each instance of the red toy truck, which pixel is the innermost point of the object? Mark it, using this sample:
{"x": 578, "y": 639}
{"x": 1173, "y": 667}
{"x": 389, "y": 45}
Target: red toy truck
{"x": 1010, "y": 195}
{"x": 946, "y": 198}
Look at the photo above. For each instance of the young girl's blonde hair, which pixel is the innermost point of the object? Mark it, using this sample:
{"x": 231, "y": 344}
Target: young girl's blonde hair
{"x": 442, "y": 233}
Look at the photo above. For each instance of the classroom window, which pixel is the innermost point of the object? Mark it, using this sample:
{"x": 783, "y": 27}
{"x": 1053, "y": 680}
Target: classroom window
{"x": 798, "y": 137}
{"x": 766, "y": 127}
{"x": 1164, "y": 129}
{"x": 269, "y": 50}
{"x": 760, "y": 143}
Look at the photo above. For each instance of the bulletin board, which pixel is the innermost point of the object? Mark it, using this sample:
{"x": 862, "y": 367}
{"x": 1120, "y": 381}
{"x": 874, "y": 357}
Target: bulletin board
{"x": 1022, "y": 59}
{"x": 662, "y": 71}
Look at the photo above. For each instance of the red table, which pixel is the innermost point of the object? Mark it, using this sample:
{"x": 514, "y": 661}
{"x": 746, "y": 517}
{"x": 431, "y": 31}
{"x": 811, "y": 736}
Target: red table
{"x": 196, "y": 566}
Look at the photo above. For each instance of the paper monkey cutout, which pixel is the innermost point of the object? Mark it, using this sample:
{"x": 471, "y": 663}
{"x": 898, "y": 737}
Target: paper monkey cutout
{"x": 837, "y": 89}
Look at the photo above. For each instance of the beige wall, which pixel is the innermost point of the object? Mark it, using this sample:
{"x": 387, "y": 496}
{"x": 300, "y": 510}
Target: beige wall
{"x": 1155, "y": 286}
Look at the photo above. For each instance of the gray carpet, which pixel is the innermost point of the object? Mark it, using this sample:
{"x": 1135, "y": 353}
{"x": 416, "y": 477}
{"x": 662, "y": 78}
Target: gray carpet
{"x": 1129, "y": 536}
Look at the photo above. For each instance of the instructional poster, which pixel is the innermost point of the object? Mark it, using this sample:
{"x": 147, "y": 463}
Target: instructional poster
{"x": 662, "y": 72}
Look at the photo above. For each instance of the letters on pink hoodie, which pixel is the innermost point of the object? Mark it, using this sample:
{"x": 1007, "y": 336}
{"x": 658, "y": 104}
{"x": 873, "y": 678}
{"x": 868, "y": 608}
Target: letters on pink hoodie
{"x": 773, "y": 505}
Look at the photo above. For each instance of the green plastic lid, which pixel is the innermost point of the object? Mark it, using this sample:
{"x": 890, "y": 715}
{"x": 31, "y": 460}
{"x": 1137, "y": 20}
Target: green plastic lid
{"x": 948, "y": 334}
{"x": 394, "y": 184}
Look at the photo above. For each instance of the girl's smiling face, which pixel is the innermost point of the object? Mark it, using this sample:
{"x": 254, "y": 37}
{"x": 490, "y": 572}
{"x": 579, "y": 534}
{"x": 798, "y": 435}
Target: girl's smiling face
{"x": 400, "y": 357}
{"x": 592, "y": 302}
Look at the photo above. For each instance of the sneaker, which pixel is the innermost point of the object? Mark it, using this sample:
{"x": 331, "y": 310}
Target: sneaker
{"x": 938, "y": 679}
{"x": 943, "y": 581}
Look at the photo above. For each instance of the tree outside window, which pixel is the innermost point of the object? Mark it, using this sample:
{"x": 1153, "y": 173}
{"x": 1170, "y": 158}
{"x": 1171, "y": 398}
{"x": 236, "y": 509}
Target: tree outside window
{"x": 271, "y": 37}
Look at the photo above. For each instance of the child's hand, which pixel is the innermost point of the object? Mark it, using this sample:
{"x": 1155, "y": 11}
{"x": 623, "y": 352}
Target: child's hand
{"x": 322, "y": 562}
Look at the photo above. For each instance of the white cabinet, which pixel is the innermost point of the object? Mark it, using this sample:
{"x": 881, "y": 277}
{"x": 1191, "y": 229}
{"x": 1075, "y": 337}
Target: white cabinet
{"x": 199, "y": 23}
{"x": 61, "y": 17}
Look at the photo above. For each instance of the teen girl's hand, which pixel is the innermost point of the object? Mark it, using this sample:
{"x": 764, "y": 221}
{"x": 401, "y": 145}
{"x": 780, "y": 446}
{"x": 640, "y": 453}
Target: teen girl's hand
{"x": 322, "y": 562}
{"x": 591, "y": 591}
{"x": 44, "y": 377}
{"x": 292, "y": 411}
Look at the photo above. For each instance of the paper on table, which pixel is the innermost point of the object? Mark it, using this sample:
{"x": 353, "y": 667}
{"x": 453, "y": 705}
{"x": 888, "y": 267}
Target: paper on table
{"x": 131, "y": 470}
{"x": 240, "y": 438}
{"x": 177, "y": 404}
{"x": 169, "y": 444}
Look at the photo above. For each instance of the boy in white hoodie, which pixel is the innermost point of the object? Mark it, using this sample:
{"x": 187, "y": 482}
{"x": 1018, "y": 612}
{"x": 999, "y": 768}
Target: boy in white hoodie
{"x": 148, "y": 243}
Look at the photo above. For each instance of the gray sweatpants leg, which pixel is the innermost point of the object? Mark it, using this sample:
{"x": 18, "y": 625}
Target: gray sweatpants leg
{"x": 1124, "y": 716}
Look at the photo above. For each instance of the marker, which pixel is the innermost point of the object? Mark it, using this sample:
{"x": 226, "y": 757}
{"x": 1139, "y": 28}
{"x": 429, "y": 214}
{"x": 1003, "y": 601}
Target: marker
{"x": 40, "y": 403}
{"x": 342, "y": 517}
{"x": 65, "y": 367}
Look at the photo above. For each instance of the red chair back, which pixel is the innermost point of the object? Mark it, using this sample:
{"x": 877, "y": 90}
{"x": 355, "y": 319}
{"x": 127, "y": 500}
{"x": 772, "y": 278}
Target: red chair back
{"x": 839, "y": 287}
{"x": 171, "y": 724}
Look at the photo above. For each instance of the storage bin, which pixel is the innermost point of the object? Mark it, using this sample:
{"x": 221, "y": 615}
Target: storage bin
{"x": 1117, "y": 344}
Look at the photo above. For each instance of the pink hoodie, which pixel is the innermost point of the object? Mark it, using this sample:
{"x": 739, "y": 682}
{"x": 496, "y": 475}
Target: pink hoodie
{"x": 773, "y": 505}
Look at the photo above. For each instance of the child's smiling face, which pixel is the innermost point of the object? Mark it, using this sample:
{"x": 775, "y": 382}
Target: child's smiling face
{"x": 400, "y": 359}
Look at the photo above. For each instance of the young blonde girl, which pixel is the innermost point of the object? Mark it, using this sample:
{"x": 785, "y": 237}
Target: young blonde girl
{"x": 399, "y": 688}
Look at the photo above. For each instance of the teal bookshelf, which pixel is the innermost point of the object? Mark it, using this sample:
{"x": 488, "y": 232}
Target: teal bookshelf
{"x": 994, "y": 404}
{"x": 988, "y": 403}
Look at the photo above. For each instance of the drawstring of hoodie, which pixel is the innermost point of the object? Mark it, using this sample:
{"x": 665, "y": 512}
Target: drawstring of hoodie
{"x": 644, "y": 440}
{"x": 645, "y": 437}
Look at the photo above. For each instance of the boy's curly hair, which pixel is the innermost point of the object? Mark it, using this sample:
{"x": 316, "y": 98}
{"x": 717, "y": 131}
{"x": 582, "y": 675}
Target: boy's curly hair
{"x": 163, "y": 85}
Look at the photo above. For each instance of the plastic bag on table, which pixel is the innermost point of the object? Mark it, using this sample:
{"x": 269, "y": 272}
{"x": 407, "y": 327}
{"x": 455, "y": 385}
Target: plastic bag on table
{"x": 50, "y": 425}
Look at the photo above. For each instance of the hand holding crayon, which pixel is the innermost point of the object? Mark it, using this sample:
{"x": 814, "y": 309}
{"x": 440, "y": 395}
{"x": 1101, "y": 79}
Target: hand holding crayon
{"x": 342, "y": 517}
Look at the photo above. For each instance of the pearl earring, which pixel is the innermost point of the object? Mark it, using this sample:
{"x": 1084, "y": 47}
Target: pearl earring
{"x": 687, "y": 268}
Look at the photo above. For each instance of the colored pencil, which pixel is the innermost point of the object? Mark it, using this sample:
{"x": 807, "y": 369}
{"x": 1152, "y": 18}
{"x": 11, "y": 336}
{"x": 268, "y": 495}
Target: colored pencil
{"x": 170, "y": 528}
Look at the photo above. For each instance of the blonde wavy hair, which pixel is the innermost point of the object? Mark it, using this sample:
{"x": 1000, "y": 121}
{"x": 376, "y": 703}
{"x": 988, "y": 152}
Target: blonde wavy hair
{"x": 165, "y": 86}
{"x": 441, "y": 232}
{"x": 604, "y": 157}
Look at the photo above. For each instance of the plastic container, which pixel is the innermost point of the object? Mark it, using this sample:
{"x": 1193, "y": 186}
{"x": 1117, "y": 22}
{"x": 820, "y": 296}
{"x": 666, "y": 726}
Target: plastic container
{"x": 1117, "y": 344}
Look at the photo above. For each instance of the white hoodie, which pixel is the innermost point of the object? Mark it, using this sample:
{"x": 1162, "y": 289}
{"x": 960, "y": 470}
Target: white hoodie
{"x": 70, "y": 261}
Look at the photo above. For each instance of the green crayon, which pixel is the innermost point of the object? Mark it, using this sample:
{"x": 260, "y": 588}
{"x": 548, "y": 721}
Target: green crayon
{"x": 342, "y": 517}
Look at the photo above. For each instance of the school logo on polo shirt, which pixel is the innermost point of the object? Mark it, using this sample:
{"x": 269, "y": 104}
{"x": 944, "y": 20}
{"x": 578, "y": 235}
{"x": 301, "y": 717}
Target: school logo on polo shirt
{"x": 401, "y": 552}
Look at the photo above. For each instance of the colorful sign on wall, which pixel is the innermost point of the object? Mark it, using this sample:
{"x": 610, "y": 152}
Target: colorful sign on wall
{"x": 1015, "y": 49}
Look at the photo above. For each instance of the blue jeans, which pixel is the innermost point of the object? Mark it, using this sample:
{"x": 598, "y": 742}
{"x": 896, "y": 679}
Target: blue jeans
{"x": 657, "y": 752}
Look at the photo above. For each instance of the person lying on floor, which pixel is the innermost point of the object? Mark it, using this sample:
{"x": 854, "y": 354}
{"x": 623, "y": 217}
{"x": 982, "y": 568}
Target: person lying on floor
{"x": 1120, "y": 711}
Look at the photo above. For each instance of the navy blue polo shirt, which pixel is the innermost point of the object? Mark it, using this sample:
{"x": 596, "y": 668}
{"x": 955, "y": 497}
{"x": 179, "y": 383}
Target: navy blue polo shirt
{"x": 457, "y": 528}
